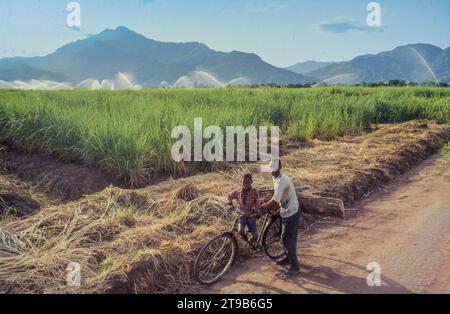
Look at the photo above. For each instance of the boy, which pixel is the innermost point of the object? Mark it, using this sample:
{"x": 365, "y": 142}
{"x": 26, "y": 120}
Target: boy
{"x": 249, "y": 202}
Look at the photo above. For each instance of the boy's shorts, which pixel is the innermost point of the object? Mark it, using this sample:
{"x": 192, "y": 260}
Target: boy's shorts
{"x": 251, "y": 225}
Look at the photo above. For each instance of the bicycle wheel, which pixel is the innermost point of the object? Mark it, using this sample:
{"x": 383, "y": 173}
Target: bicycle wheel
{"x": 271, "y": 241}
{"x": 215, "y": 258}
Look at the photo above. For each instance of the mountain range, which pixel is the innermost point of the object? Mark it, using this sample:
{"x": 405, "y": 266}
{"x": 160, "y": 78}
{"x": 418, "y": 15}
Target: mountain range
{"x": 154, "y": 63}
{"x": 150, "y": 62}
{"x": 411, "y": 63}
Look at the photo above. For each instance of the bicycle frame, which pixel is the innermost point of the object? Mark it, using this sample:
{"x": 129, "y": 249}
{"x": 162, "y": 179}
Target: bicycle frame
{"x": 258, "y": 243}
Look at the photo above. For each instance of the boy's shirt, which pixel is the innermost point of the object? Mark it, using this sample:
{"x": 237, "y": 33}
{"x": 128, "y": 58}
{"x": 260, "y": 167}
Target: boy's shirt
{"x": 249, "y": 201}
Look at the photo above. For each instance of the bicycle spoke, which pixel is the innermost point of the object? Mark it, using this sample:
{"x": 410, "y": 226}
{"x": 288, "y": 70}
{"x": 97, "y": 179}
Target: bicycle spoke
{"x": 273, "y": 245}
{"x": 275, "y": 240}
{"x": 211, "y": 269}
{"x": 215, "y": 258}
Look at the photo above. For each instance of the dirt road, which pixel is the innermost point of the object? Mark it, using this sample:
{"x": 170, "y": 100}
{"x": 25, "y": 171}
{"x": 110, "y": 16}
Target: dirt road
{"x": 405, "y": 228}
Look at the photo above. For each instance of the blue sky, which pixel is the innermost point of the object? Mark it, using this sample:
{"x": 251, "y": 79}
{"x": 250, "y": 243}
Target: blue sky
{"x": 282, "y": 32}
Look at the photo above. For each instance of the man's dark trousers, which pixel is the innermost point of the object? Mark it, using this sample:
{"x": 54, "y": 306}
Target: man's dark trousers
{"x": 289, "y": 237}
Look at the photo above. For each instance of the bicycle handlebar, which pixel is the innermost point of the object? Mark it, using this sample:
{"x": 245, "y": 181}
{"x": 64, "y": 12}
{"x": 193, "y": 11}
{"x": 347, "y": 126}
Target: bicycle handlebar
{"x": 239, "y": 211}
{"x": 243, "y": 214}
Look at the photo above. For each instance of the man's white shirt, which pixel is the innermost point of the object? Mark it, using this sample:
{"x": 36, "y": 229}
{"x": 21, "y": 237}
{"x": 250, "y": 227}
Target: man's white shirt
{"x": 285, "y": 195}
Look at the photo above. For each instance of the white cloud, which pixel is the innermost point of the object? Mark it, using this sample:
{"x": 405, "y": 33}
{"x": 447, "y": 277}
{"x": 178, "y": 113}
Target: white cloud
{"x": 344, "y": 26}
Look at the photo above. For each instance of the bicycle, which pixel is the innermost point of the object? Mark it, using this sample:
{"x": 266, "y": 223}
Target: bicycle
{"x": 219, "y": 254}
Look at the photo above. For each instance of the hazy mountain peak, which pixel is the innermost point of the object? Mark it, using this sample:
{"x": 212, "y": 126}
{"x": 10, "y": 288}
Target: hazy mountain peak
{"x": 119, "y": 32}
{"x": 118, "y": 29}
{"x": 307, "y": 66}
{"x": 420, "y": 45}
{"x": 427, "y": 49}
{"x": 123, "y": 29}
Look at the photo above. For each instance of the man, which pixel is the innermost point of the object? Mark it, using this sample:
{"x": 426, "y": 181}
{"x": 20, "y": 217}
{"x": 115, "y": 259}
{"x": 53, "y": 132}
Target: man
{"x": 249, "y": 202}
{"x": 285, "y": 197}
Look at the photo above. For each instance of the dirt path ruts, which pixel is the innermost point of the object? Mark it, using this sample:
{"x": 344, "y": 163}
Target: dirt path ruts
{"x": 405, "y": 228}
